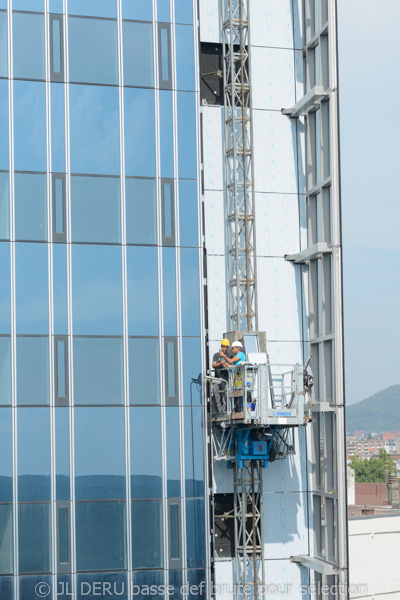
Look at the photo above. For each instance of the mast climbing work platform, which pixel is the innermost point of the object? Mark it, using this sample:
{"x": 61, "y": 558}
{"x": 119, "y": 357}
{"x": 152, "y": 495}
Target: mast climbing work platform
{"x": 262, "y": 403}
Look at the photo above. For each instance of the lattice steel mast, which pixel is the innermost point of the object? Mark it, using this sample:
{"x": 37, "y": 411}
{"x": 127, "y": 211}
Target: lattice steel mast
{"x": 249, "y": 543}
{"x": 242, "y": 274}
{"x": 239, "y": 166}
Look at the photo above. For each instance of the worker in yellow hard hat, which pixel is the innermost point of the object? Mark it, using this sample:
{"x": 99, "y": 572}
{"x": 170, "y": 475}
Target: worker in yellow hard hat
{"x": 219, "y": 363}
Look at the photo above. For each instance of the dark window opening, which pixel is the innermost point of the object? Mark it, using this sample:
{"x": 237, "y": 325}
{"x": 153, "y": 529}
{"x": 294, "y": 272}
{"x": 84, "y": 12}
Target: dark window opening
{"x": 224, "y": 532}
{"x": 211, "y": 74}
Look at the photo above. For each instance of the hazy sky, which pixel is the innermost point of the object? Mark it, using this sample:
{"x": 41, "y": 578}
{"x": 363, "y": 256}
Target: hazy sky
{"x": 369, "y": 87}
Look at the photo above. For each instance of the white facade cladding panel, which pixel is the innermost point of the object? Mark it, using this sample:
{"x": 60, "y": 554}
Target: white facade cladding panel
{"x": 289, "y": 475}
{"x": 286, "y": 524}
{"x": 277, "y": 23}
{"x": 215, "y": 233}
{"x": 275, "y": 152}
{"x": 277, "y": 75}
{"x": 277, "y": 224}
{"x": 280, "y": 304}
{"x": 213, "y": 147}
{"x": 210, "y": 21}
{"x": 217, "y": 298}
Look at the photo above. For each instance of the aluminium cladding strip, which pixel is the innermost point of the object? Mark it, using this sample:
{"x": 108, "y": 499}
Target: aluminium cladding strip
{"x": 239, "y": 166}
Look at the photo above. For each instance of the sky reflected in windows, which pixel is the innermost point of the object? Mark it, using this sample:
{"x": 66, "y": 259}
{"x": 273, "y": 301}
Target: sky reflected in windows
{"x": 144, "y": 374}
{"x": 95, "y": 209}
{"x": 138, "y": 41}
{"x": 191, "y": 352}
{"x": 96, "y": 290}
{"x": 142, "y": 276}
{"x": 146, "y": 465}
{"x": 184, "y": 57}
{"x": 33, "y": 454}
{"x": 140, "y": 151}
{"x": 32, "y": 5}
{"x": 184, "y": 11}
{"x": 28, "y": 45}
{"x": 30, "y": 198}
{"x": 100, "y": 537}
{"x": 5, "y": 370}
{"x": 166, "y": 134}
{"x": 140, "y": 11}
{"x": 173, "y": 452}
{"x": 187, "y": 161}
{"x": 32, "y": 302}
{"x": 34, "y": 542}
{"x": 93, "y": 54}
{"x": 93, "y": 8}
{"x": 5, "y": 288}
{"x": 3, "y": 45}
{"x": 57, "y": 127}
{"x": 62, "y": 453}
{"x": 190, "y": 295}
{"x": 147, "y": 534}
{"x": 32, "y": 370}
{"x": 188, "y": 213}
{"x": 163, "y": 11}
{"x": 169, "y": 291}
{"x": 194, "y": 474}
{"x": 56, "y": 6}
{"x": 60, "y": 299}
{"x": 99, "y": 453}
{"x": 6, "y": 468}
{"x": 98, "y": 371}
{"x": 94, "y": 130}
{"x": 4, "y": 206}
{"x": 141, "y": 211}
{"x": 30, "y": 126}
{"x": 4, "y": 163}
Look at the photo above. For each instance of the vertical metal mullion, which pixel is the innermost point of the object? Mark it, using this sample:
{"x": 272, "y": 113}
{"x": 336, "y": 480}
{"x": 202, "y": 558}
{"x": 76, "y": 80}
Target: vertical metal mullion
{"x": 124, "y": 299}
{"x": 69, "y": 296}
{"x": 342, "y": 551}
{"x": 160, "y": 292}
{"x": 53, "y": 512}
{"x": 12, "y": 300}
{"x": 179, "y": 352}
{"x": 202, "y": 282}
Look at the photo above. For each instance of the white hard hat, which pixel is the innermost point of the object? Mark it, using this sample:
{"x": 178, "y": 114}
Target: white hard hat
{"x": 237, "y": 345}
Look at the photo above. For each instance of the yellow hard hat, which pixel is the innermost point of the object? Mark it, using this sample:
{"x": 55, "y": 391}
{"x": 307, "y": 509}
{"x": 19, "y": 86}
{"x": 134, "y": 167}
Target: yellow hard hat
{"x": 225, "y": 342}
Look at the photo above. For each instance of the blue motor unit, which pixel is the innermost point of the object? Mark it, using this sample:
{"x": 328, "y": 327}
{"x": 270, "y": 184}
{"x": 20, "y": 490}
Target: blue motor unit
{"x": 245, "y": 446}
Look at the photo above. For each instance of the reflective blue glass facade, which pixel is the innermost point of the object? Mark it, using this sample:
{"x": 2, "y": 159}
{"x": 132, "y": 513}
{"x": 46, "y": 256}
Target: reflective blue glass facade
{"x": 102, "y": 430}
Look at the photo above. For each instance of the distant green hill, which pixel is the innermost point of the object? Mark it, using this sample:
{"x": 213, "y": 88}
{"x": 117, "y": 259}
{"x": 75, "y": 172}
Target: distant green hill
{"x": 380, "y": 412}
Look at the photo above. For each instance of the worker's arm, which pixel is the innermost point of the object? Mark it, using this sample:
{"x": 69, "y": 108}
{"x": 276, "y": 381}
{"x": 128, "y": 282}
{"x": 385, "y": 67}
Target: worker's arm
{"x": 220, "y": 363}
{"x": 233, "y": 360}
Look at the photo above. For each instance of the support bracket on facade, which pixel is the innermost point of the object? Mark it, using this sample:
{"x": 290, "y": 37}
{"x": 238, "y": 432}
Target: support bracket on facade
{"x": 316, "y": 564}
{"x": 311, "y": 99}
{"x": 320, "y": 407}
{"x": 315, "y": 251}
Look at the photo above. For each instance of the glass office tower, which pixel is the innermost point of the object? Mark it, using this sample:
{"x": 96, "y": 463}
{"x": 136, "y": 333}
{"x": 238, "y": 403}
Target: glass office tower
{"x": 102, "y": 476}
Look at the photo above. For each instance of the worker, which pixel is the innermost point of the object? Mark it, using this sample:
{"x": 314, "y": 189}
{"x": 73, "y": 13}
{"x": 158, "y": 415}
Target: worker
{"x": 220, "y": 364}
{"x": 238, "y": 355}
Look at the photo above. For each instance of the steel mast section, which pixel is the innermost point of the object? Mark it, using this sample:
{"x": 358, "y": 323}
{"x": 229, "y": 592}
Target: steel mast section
{"x": 239, "y": 166}
{"x": 249, "y": 550}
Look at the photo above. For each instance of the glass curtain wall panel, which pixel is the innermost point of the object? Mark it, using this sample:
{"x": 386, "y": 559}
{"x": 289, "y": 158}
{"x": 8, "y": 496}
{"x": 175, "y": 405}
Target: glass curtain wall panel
{"x": 100, "y": 309}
